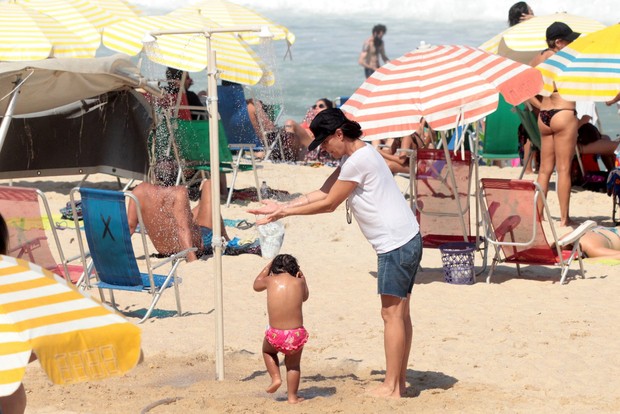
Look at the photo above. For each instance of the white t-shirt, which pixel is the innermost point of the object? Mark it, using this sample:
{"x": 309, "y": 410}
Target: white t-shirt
{"x": 376, "y": 203}
{"x": 584, "y": 108}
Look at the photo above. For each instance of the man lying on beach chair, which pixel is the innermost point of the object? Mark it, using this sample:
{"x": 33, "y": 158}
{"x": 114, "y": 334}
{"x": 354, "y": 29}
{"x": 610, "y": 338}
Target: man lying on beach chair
{"x": 170, "y": 223}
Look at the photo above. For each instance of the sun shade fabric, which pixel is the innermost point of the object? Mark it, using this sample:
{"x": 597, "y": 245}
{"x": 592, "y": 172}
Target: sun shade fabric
{"x": 525, "y": 40}
{"x": 447, "y": 85}
{"x": 85, "y": 18}
{"x": 586, "y": 69}
{"x": 66, "y": 81}
{"x": 26, "y": 34}
{"x": 74, "y": 337}
{"x": 236, "y": 61}
{"x": 226, "y": 14}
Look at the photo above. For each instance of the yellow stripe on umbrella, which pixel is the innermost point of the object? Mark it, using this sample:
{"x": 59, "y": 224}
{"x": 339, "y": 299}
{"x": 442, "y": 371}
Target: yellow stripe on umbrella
{"x": 236, "y": 61}
{"x": 85, "y": 18}
{"x": 228, "y": 14}
{"x": 26, "y": 34}
{"x": 74, "y": 337}
{"x": 586, "y": 69}
{"x": 523, "y": 41}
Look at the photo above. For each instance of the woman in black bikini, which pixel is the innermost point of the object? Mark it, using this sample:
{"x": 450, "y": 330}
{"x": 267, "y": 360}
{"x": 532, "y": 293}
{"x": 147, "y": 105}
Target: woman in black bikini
{"x": 557, "y": 122}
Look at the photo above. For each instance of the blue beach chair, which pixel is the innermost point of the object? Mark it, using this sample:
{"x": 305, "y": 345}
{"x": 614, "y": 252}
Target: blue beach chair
{"x": 109, "y": 243}
{"x": 241, "y": 135}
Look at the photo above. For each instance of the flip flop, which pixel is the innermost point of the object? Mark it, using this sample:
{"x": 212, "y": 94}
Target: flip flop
{"x": 244, "y": 225}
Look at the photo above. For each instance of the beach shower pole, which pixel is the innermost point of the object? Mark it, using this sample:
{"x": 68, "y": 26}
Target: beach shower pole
{"x": 218, "y": 241}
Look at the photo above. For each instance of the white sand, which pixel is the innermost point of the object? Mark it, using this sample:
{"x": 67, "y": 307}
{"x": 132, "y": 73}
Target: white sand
{"x": 517, "y": 345}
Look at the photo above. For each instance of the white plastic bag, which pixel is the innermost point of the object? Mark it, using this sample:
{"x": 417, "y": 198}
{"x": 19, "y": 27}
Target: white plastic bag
{"x": 271, "y": 236}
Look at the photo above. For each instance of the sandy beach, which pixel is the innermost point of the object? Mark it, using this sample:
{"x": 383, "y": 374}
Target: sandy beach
{"x": 519, "y": 344}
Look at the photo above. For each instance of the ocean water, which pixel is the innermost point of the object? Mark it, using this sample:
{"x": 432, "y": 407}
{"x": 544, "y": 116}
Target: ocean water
{"x": 329, "y": 36}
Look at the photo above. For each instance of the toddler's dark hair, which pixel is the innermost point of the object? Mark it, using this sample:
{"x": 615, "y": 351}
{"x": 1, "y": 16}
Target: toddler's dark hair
{"x": 284, "y": 263}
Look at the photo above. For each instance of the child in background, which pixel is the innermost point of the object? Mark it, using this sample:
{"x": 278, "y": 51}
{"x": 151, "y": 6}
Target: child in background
{"x": 286, "y": 291}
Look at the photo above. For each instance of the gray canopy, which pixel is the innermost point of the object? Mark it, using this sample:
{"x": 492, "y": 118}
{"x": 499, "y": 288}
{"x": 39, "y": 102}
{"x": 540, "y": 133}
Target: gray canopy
{"x": 75, "y": 116}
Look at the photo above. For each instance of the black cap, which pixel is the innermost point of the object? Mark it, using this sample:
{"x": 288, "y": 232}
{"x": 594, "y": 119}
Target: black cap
{"x": 559, "y": 30}
{"x": 325, "y": 124}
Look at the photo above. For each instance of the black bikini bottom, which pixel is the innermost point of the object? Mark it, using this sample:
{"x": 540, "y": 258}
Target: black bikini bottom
{"x": 545, "y": 116}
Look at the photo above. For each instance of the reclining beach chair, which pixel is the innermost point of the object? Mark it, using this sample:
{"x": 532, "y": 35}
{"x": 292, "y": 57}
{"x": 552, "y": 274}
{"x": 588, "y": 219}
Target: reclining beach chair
{"x": 240, "y": 133}
{"x": 192, "y": 150}
{"x": 515, "y": 229}
{"x": 27, "y": 231}
{"x": 443, "y": 211}
{"x": 109, "y": 241}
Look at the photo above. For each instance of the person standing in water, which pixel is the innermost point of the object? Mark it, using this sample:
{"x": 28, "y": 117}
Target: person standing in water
{"x": 373, "y": 50}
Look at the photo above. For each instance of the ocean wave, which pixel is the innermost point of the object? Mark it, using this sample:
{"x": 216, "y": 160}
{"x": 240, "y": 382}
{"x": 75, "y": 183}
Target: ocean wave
{"x": 445, "y": 11}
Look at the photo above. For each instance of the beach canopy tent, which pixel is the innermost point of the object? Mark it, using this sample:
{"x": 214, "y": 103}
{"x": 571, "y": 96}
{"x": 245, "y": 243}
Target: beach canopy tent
{"x": 74, "y": 116}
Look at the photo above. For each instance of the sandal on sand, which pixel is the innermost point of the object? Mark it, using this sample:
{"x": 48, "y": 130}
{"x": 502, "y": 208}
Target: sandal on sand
{"x": 244, "y": 225}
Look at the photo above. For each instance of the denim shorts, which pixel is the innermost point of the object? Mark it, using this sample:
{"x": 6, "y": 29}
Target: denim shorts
{"x": 397, "y": 268}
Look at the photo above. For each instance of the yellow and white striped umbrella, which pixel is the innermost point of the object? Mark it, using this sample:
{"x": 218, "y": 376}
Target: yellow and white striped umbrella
{"x": 86, "y": 18}
{"x": 26, "y": 34}
{"x": 586, "y": 69}
{"x": 236, "y": 61}
{"x": 523, "y": 41}
{"x": 74, "y": 337}
{"x": 226, "y": 14}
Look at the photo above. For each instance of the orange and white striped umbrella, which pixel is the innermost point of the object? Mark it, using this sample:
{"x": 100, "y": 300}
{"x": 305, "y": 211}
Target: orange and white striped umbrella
{"x": 447, "y": 85}
{"x": 523, "y": 41}
{"x": 235, "y": 60}
{"x": 74, "y": 337}
{"x": 226, "y": 14}
{"x": 26, "y": 34}
{"x": 85, "y": 18}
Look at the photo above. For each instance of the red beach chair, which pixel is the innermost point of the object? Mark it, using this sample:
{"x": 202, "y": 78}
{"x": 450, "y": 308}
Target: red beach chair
{"x": 515, "y": 229}
{"x": 27, "y": 234}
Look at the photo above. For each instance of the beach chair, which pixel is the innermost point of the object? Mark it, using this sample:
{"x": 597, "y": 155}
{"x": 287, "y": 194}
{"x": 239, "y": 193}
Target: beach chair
{"x": 109, "y": 242}
{"x": 27, "y": 231}
{"x": 501, "y": 140}
{"x": 443, "y": 211}
{"x": 192, "y": 149}
{"x": 234, "y": 114}
{"x": 514, "y": 227}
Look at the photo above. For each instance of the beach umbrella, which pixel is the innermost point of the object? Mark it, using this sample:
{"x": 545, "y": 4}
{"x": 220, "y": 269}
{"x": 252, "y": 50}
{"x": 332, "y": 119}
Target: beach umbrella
{"x": 227, "y": 14}
{"x": 523, "y": 41}
{"x": 447, "y": 85}
{"x": 74, "y": 337}
{"x": 236, "y": 61}
{"x": 26, "y": 34}
{"x": 85, "y": 18}
{"x": 586, "y": 69}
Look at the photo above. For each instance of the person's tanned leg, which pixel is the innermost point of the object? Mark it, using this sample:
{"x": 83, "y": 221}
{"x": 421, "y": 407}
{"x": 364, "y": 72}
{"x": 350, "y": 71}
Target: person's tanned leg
{"x": 272, "y": 363}
{"x": 203, "y": 213}
{"x": 408, "y": 341}
{"x": 293, "y": 375}
{"x": 395, "y": 340}
{"x": 564, "y": 124}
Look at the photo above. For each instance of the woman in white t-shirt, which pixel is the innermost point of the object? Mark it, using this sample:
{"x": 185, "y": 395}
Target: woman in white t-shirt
{"x": 366, "y": 183}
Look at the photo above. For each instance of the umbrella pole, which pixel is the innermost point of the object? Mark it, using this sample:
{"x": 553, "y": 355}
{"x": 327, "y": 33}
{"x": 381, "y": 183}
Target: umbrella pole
{"x": 444, "y": 144}
{"x": 8, "y": 116}
{"x": 215, "y": 208}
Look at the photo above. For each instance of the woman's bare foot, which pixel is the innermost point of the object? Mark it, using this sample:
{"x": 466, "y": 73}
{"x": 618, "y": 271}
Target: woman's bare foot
{"x": 295, "y": 399}
{"x": 384, "y": 391}
{"x": 275, "y": 384}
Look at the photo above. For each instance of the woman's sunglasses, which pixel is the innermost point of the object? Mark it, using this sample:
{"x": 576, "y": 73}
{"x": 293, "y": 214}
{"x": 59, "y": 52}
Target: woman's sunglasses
{"x": 321, "y": 106}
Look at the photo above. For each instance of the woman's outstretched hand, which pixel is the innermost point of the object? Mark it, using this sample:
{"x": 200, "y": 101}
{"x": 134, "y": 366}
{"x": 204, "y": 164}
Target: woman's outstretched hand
{"x": 268, "y": 207}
